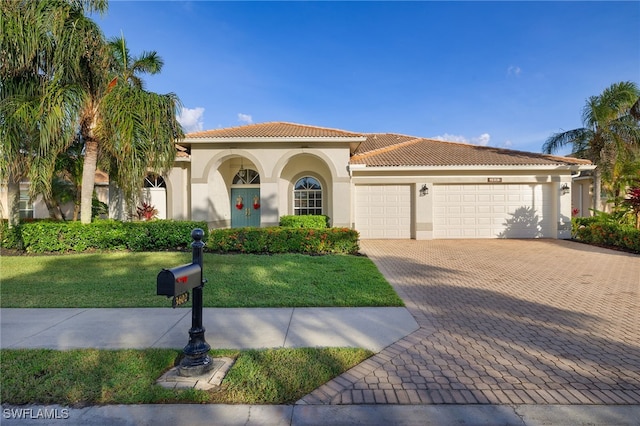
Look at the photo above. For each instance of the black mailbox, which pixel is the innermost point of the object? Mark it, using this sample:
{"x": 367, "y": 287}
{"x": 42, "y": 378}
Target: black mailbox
{"x": 176, "y": 281}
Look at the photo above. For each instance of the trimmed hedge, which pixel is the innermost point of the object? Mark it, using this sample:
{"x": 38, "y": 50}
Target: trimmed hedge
{"x": 10, "y": 237}
{"x": 594, "y": 230}
{"x": 45, "y": 236}
{"x": 162, "y": 234}
{"x": 54, "y": 236}
{"x": 283, "y": 240}
{"x": 305, "y": 221}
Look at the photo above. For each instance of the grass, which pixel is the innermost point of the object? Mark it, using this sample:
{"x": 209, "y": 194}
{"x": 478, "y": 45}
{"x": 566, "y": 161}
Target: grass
{"x": 90, "y": 377}
{"x": 123, "y": 279}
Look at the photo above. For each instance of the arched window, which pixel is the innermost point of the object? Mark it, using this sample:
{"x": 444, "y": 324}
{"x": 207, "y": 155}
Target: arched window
{"x": 246, "y": 177}
{"x": 154, "y": 181}
{"x": 307, "y": 196}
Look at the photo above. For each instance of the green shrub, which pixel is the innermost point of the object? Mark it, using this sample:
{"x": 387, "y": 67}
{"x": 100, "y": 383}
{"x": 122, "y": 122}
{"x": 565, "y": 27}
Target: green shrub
{"x": 602, "y": 231}
{"x": 161, "y": 234}
{"x": 283, "y": 240}
{"x": 10, "y": 238}
{"x": 55, "y": 236}
{"x": 305, "y": 221}
{"x": 243, "y": 240}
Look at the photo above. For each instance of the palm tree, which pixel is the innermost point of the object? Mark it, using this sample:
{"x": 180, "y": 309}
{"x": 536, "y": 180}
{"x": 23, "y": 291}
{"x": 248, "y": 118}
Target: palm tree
{"x": 610, "y": 135}
{"x": 135, "y": 130}
{"x": 44, "y": 45}
{"x": 59, "y": 81}
{"x": 127, "y": 68}
{"x": 67, "y": 182}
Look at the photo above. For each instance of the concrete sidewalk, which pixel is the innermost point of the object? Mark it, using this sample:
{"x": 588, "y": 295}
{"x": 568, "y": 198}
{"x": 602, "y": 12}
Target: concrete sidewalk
{"x": 321, "y": 415}
{"x": 370, "y": 328}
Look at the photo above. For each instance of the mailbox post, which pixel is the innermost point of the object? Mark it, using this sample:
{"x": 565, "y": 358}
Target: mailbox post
{"x": 197, "y": 360}
{"x": 176, "y": 283}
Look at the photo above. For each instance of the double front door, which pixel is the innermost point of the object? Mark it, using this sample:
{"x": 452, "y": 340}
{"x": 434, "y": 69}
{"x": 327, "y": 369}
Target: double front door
{"x": 245, "y": 207}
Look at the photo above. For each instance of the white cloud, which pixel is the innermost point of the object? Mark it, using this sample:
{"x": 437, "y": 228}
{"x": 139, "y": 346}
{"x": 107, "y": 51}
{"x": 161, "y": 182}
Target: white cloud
{"x": 245, "y": 118}
{"x": 451, "y": 138}
{"x": 483, "y": 139}
{"x": 191, "y": 119}
{"x": 514, "y": 70}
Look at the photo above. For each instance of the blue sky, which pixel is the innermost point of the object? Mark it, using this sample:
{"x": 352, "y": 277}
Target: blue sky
{"x": 504, "y": 74}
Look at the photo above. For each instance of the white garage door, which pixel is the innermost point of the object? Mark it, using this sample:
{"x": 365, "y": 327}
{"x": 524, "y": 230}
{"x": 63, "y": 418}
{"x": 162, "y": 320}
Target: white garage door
{"x": 493, "y": 211}
{"x": 383, "y": 211}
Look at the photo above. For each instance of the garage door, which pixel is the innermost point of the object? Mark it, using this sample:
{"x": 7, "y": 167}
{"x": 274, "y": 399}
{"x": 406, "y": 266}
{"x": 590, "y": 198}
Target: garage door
{"x": 493, "y": 211}
{"x": 383, "y": 211}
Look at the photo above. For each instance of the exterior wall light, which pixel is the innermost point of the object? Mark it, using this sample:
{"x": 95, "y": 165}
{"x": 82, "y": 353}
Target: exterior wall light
{"x": 424, "y": 190}
{"x": 564, "y": 189}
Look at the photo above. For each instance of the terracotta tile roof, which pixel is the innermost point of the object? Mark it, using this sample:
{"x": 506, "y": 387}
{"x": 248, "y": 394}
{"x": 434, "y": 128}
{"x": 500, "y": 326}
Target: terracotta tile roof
{"x": 101, "y": 177}
{"x": 273, "y": 130}
{"x": 381, "y": 140}
{"x": 390, "y": 149}
{"x": 387, "y": 151}
{"x": 182, "y": 152}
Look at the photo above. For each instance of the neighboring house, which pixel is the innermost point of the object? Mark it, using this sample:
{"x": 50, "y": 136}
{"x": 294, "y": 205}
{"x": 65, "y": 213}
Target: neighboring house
{"x": 383, "y": 185}
{"x": 37, "y": 209}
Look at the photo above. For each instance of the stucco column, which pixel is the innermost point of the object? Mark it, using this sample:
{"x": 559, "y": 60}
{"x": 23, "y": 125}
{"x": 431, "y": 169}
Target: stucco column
{"x": 563, "y": 191}
{"x": 269, "y": 213}
{"x": 117, "y": 205}
{"x": 423, "y": 210}
{"x": 341, "y": 203}
{"x": 200, "y": 204}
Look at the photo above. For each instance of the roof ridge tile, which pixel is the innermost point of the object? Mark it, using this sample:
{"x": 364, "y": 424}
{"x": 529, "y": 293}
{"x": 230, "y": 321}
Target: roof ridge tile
{"x": 270, "y": 129}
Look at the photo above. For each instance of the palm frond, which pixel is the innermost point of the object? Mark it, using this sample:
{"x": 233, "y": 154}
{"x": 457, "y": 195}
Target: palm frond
{"x": 576, "y": 138}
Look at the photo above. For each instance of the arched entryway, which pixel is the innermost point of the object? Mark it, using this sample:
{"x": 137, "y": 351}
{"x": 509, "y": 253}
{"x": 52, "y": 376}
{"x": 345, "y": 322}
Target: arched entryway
{"x": 245, "y": 199}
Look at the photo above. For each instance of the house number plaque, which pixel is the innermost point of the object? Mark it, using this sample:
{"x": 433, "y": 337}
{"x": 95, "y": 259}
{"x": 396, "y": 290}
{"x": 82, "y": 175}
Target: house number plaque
{"x": 180, "y": 299}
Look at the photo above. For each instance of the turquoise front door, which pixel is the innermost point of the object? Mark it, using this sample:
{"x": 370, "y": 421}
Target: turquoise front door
{"x": 245, "y": 207}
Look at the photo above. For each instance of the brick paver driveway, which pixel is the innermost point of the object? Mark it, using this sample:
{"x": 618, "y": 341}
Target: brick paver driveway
{"x": 504, "y": 322}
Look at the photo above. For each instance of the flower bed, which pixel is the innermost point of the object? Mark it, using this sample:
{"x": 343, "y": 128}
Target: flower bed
{"x": 606, "y": 233}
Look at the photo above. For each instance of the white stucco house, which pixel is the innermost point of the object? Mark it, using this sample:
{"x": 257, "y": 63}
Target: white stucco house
{"x": 383, "y": 185}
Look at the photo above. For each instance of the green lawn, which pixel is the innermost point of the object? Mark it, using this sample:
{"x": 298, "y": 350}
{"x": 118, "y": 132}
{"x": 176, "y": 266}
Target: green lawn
{"x": 90, "y": 376}
{"x": 123, "y": 279}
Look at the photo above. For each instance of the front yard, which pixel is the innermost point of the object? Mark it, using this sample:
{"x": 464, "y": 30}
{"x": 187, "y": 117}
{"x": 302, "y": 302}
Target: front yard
{"x": 124, "y": 279}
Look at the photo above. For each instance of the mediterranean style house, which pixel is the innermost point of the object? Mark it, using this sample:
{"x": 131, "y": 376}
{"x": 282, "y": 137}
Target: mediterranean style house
{"x": 383, "y": 185}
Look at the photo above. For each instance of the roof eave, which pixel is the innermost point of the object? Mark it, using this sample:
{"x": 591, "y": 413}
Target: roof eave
{"x": 569, "y": 167}
{"x": 275, "y": 139}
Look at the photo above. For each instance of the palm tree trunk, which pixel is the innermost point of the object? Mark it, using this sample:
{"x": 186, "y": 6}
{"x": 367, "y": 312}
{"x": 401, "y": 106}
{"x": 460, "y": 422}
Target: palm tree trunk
{"x": 51, "y": 201}
{"x": 55, "y": 212}
{"x": 76, "y": 211}
{"x": 88, "y": 179}
{"x": 13, "y": 201}
{"x": 597, "y": 185}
